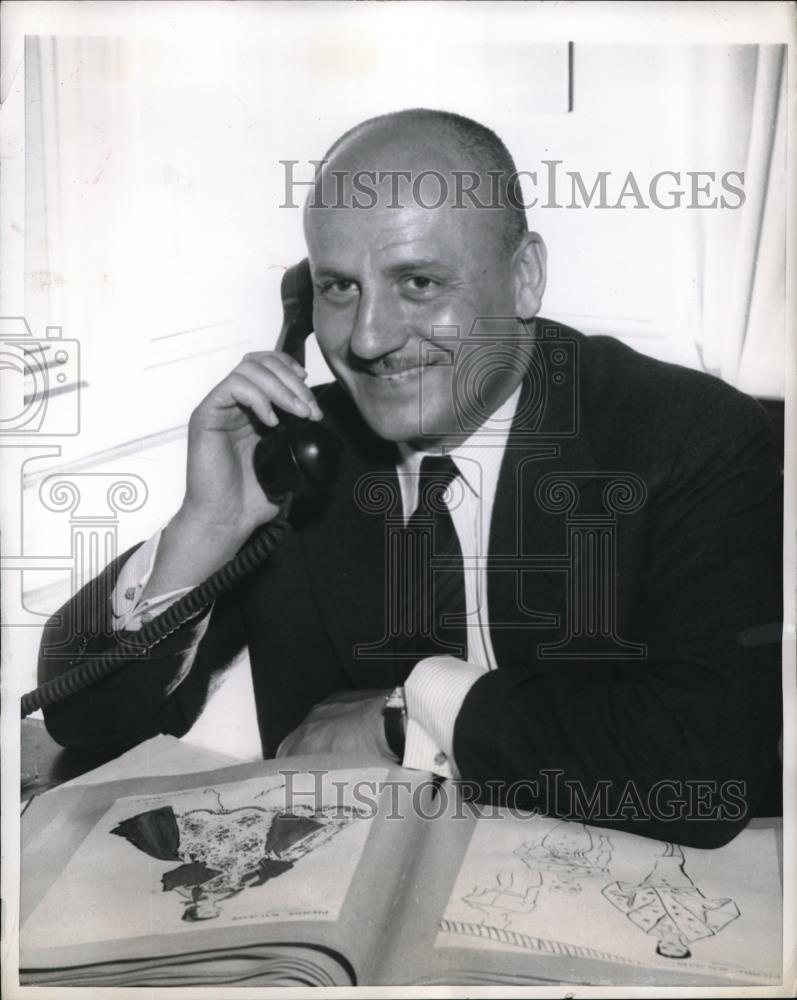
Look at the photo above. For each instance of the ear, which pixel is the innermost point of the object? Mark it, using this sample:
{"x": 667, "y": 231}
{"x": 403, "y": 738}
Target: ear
{"x": 529, "y": 268}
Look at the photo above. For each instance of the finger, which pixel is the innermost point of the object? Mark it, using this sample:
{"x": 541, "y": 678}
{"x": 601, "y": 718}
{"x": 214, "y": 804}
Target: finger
{"x": 291, "y": 362}
{"x": 280, "y": 390}
{"x": 291, "y": 372}
{"x": 243, "y": 392}
{"x": 286, "y": 358}
{"x": 278, "y": 363}
{"x": 282, "y": 387}
{"x": 282, "y": 365}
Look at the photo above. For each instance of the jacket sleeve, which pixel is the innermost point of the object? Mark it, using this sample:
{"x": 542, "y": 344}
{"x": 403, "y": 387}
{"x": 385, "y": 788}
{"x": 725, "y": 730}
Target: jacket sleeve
{"x": 680, "y": 745}
{"x": 161, "y": 692}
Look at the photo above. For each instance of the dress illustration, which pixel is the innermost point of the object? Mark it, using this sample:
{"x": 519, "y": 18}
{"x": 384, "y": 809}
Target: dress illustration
{"x": 554, "y": 862}
{"x": 222, "y": 852}
{"x": 507, "y": 898}
{"x": 669, "y": 906}
{"x": 566, "y": 854}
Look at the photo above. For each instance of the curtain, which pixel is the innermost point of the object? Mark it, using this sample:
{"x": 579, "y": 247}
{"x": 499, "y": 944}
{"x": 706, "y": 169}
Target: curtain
{"x": 739, "y": 123}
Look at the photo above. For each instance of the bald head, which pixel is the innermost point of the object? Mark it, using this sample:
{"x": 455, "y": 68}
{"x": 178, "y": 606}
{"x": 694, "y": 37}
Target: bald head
{"x": 428, "y": 159}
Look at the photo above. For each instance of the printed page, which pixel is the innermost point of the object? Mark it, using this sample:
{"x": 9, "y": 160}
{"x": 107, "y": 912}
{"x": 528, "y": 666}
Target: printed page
{"x": 523, "y": 898}
{"x": 275, "y": 855}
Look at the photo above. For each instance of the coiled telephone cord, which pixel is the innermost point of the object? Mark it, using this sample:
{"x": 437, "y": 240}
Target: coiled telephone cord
{"x": 255, "y": 553}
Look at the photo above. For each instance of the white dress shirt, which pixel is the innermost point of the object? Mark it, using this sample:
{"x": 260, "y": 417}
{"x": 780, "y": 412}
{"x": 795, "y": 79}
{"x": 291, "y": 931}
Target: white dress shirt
{"x": 437, "y": 686}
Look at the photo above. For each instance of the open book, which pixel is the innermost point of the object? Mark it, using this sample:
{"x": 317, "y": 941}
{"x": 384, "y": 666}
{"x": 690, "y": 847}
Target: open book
{"x": 305, "y": 871}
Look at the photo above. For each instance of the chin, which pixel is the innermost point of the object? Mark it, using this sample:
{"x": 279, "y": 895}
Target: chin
{"x": 406, "y": 428}
{"x": 392, "y": 429}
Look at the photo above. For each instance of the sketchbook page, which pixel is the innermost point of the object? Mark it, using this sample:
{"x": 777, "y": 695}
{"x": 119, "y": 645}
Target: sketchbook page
{"x": 78, "y": 804}
{"x": 274, "y": 851}
{"x": 405, "y": 950}
{"x": 534, "y": 899}
{"x": 587, "y": 896}
{"x": 66, "y": 815}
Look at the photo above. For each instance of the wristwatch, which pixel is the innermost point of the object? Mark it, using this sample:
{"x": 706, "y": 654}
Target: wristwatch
{"x": 394, "y": 716}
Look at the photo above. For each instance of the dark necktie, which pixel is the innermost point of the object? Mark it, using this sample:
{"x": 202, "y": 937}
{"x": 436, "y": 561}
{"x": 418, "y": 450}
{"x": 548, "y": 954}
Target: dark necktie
{"x": 433, "y": 614}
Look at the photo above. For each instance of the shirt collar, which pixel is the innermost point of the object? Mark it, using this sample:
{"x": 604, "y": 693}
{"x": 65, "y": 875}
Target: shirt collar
{"x": 477, "y": 458}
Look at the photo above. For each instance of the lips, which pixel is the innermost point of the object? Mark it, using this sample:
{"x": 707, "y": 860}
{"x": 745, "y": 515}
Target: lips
{"x": 399, "y": 374}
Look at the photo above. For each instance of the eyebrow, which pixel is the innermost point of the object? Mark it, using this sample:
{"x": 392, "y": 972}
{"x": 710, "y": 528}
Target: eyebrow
{"x": 400, "y": 267}
{"x": 414, "y": 264}
{"x": 327, "y": 272}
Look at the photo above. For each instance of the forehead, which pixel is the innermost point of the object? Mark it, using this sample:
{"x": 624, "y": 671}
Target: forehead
{"x": 382, "y": 191}
{"x": 456, "y": 233}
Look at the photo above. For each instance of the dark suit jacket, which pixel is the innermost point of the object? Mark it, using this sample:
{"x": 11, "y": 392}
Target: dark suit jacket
{"x": 634, "y": 594}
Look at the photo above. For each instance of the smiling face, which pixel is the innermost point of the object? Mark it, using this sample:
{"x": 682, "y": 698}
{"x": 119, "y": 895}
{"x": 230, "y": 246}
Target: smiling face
{"x": 388, "y": 279}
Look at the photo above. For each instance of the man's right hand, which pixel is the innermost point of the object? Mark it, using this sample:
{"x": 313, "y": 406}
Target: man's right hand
{"x": 223, "y": 502}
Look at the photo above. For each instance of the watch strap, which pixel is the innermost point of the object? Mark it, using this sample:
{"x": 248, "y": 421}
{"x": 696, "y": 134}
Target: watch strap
{"x": 394, "y": 717}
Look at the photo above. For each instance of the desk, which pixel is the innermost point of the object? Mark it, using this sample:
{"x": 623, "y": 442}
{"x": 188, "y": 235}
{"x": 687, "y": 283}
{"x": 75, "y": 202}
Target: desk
{"x": 45, "y": 764}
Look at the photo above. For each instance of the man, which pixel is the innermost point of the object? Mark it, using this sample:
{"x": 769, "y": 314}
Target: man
{"x": 607, "y": 548}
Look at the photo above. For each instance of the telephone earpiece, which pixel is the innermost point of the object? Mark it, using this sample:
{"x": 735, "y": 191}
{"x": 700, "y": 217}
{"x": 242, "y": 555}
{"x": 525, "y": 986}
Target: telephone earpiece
{"x": 296, "y": 291}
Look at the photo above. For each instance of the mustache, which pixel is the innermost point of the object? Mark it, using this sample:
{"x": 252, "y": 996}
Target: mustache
{"x": 400, "y": 361}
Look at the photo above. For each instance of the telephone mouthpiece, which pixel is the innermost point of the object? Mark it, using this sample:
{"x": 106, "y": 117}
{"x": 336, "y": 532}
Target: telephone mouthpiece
{"x": 297, "y": 456}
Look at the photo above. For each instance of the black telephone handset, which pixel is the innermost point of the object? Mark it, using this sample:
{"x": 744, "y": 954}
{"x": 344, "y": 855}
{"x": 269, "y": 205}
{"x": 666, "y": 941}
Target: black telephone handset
{"x": 298, "y": 456}
{"x": 297, "y": 459}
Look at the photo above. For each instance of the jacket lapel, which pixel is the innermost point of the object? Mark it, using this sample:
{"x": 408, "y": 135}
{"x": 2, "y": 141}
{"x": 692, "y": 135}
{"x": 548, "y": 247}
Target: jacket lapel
{"x": 527, "y": 579}
{"x": 345, "y": 550}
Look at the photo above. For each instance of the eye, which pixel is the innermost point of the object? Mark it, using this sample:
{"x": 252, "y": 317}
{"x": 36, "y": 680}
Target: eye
{"x": 420, "y": 286}
{"x": 340, "y": 290}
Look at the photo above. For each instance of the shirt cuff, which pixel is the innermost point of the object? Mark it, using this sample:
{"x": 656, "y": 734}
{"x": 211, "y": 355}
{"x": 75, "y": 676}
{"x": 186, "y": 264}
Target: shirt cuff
{"x": 434, "y": 693}
{"x": 129, "y": 612}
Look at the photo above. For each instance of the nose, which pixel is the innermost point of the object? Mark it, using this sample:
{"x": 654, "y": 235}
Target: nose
{"x": 380, "y": 326}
